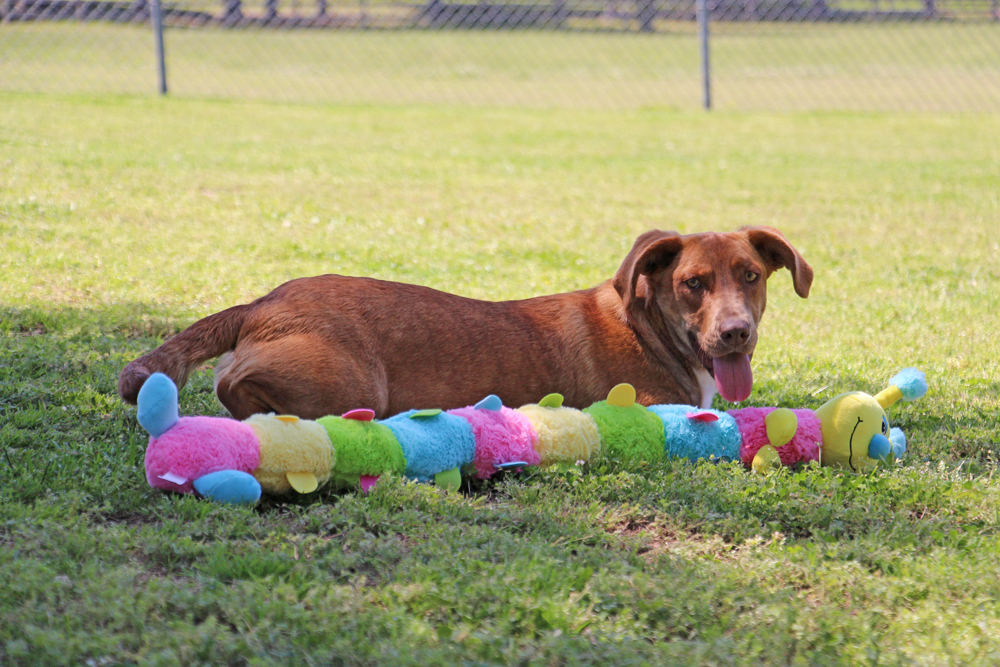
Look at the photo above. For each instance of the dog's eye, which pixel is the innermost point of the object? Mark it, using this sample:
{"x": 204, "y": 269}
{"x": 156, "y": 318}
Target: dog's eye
{"x": 693, "y": 283}
{"x": 751, "y": 276}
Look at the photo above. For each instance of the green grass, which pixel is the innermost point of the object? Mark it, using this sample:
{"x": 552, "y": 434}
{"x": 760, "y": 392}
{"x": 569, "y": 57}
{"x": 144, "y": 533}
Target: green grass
{"x": 124, "y": 219}
{"x": 755, "y": 66}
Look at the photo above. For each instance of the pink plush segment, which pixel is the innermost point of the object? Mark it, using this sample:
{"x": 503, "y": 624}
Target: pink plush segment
{"x": 501, "y": 437}
{"x": 804, "y": 446}
{"x": 197, "y": 446}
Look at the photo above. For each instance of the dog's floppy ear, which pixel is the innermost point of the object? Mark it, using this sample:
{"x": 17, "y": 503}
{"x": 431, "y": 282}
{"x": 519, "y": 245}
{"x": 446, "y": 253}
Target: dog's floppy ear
{"x": 651, "y": 251}
{"x": 777, "y": 252}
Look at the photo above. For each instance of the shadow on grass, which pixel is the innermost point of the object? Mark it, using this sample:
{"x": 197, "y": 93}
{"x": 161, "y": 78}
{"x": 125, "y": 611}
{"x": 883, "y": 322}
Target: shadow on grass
{"x": 128, "y": 319}
{"x": 62, "y": 426}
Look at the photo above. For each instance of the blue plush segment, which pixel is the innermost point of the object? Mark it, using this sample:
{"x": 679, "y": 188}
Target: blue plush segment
{"x": 433, "y": 444}
{"x": 910, "y": 381}
{"x": 491, "y": 403}
{"x": 898, "y": 440}
{"x": 158, "y": 404}
{"x": 879, "y": 447}
{"x": 694, "y": 439}
{"x": 228, "y": 486}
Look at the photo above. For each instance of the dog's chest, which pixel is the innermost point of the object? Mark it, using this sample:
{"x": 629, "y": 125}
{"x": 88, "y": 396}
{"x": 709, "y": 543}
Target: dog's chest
{"x": 707, "y": 386}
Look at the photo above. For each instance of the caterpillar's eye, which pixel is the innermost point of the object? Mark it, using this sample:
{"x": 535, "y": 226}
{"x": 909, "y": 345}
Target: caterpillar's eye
{"x": 693, "y": 283}
{"x": 751, "y": 276}
{"x": 885, "y": 426}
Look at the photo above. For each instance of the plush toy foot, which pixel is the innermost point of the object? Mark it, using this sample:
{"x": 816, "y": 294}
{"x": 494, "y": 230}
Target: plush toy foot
{"x": 229, "y": 486}
{"x": 303, "y": 482}
{"x": 766, "y": 460}
{"x": 367, "y": 482}
{"x": 449, "y": 479}
{"x": 511, "y": 465}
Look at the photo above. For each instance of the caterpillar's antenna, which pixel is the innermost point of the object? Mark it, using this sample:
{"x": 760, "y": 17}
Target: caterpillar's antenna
{"x": 158, "y": 404}
{"x": 908, "y": 384}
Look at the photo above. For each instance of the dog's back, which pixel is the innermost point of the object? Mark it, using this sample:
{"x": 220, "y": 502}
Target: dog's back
{"x": 329, "y": 344}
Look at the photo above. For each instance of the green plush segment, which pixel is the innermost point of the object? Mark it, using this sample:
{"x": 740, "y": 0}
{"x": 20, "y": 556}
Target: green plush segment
{"x": 363, "y": 448}
{"x": 629, "y": 434}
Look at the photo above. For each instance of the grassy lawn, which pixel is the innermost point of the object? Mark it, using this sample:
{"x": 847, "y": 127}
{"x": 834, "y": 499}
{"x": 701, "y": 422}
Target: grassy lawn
{"x": 755, "y": 66}
{"x": 123, "y": 219}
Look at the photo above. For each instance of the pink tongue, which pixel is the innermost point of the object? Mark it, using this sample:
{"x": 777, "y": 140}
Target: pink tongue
{"x": 733, "y": 377}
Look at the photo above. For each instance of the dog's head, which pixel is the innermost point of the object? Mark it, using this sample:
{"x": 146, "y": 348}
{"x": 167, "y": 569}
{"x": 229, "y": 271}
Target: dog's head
{"x": 705, "y": 294}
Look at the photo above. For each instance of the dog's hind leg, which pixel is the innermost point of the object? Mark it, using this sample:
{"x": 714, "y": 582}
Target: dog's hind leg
{"x": 297, "y": 375}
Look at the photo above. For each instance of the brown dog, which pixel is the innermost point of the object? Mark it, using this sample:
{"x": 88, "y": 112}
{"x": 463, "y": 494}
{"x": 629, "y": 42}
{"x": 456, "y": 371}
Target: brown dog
{"x": 679, "y": 309}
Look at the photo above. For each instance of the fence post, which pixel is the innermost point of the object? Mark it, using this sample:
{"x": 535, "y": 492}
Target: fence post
{"x": 156, "y": 17}
{"x": 232, "y": 12}
{"x": 646, "y": 14}
{"x": 706, "y": 71}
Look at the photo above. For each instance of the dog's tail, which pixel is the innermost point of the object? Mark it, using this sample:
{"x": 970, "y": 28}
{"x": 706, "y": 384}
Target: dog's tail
{"x": 203, "y": 340}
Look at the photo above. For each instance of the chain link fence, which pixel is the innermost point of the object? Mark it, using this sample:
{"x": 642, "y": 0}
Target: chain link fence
{"x": 917, "y": 55}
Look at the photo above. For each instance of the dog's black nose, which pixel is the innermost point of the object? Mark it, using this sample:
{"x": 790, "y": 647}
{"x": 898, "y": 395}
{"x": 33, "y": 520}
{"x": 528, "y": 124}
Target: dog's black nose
{"x": 735, "y": 332}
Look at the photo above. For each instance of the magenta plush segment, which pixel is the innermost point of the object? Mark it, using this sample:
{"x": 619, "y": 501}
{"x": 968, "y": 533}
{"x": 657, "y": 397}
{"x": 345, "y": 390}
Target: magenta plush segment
{"x": 197, "y": 446}
{"x": 805, "y": 446}
{"x": 501, "y": 437}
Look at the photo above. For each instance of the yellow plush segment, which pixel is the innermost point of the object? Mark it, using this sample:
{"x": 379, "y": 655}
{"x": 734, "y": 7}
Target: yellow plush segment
{"x": 299, "y": 446}
{"x": 888, "y": 397}
{"x": 781, "y": 425}
{"x": 565, "y": 435}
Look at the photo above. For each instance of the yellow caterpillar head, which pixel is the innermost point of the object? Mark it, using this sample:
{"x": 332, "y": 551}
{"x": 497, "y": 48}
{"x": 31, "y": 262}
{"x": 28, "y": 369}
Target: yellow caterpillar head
{"x": 854, "y": 428}
{"x": 856, "y": 433}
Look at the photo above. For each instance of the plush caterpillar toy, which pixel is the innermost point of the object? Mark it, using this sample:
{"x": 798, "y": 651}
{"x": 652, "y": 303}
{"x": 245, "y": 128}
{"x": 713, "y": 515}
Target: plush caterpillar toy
{"x": 849, "y": 431}
{"x": 232, "y": 461}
